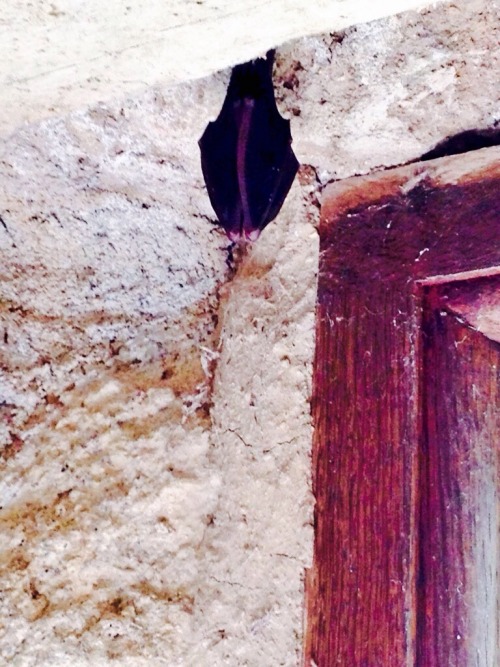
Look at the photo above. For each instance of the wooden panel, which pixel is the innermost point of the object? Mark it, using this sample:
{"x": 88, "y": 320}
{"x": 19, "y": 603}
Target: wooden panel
{"x": 458, "y": 491}
{"x": 478, "y": 303}
{"x": 383, "y": 238}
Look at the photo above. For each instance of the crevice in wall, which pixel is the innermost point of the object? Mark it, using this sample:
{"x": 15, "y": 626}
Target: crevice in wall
{"x": 464, "y": 142}
{"x": 456, "y": 144}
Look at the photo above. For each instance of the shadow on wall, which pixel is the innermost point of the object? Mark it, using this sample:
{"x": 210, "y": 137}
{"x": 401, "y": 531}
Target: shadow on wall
{"x": 463, "y": 142}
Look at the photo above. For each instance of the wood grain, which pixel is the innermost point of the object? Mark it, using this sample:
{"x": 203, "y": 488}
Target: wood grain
{"x": 458, "y": 492}
{"x": 382, "y": 237}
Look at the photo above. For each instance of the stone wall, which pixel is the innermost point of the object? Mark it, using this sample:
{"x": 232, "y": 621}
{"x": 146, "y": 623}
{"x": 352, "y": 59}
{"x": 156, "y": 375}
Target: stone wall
{"x": 155, "y": 430}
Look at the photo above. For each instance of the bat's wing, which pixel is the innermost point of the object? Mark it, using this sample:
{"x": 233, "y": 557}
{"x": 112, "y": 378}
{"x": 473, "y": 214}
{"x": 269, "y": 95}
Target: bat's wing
{"x": 270, "y": 165}
{"x": 246, "y": 154}
{"x": 218, "y": 163}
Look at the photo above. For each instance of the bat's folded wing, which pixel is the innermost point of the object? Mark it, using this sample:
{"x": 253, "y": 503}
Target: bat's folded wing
{"x": 218, "y": 163}
{"x": 271, "y": 164}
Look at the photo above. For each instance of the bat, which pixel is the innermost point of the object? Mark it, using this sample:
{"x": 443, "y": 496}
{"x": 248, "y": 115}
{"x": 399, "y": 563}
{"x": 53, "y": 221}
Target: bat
{"x": 246, "y": 153}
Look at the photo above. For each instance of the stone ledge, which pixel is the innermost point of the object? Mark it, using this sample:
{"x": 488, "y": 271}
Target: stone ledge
{"x": 56, "y": 57}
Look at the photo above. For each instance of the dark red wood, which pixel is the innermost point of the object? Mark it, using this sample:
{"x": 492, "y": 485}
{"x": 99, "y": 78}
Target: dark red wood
{"x": 383, "y": 239}
{"x": 366, "y": 420}
{"x": 458, "y": 491}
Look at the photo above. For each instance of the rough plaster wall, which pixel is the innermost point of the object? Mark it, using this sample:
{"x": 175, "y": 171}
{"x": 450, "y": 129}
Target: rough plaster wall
{"x": 57, "y": 56}
{"x": 154, "y": 481}
{"x": 136, "y": 524}
{"x": 386, "y": 92}
{"x": 109, "y": 305}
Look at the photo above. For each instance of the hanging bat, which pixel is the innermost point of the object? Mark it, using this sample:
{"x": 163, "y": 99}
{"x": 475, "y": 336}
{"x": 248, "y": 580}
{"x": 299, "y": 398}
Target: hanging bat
{"x": 246, "y": 154}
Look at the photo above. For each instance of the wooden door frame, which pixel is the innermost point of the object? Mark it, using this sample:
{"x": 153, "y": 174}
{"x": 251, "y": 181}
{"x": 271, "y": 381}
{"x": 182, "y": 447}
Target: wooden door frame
{"x": 386, "y": 240}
